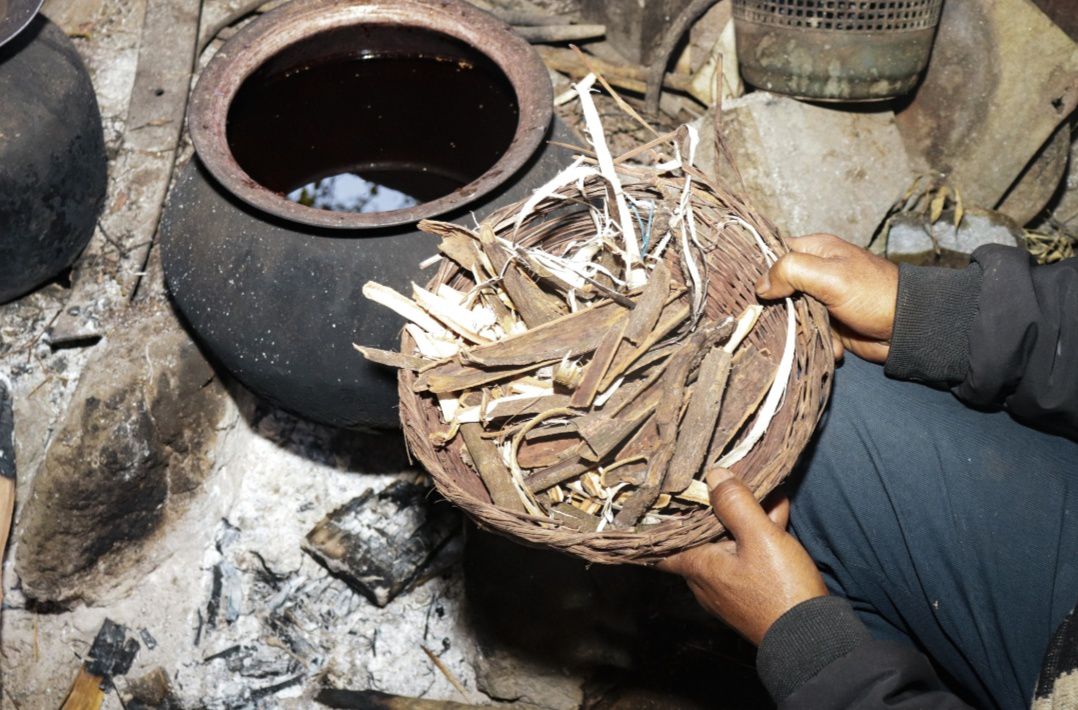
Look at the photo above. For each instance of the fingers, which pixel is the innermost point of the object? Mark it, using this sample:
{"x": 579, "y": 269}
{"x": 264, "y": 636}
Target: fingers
{"x": 825, "y": 245}
{"x": 778, "y": 510}
{"x": 815, "y": 275}
{"x": 705, "y": 560}
{"x": 864, "y": 348}
{"x": 736, "y": 507}
{"x": 837, "y": 348}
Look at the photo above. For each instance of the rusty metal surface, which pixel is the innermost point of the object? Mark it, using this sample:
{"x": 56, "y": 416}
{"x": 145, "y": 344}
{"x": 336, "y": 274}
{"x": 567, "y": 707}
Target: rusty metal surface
{"x": 835, "y": 51}
{"x": 297, "y": 21}
{"x": 1001, "y": 79}
{"x": 829, "y": 65}
{"x": 15, "y": 15}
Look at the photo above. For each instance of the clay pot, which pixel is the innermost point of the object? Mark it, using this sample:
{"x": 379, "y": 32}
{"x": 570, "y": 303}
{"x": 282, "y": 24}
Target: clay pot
{"x": 271, "y": 286}
{"x": 52, "y": 158}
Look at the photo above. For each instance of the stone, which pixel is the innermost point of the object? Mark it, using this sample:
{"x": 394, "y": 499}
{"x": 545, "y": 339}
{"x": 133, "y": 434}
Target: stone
{"x": 521, "y": 680}
{"x": 1040, "y": 180}
{"x": 1002, "y": 77}
{"x": 152, "y": 691}
{"x": 129, "y": 454}
{"x": 911, "y": 240}
{"x": 381, "y": 543}
{"x": 812, "y": 169}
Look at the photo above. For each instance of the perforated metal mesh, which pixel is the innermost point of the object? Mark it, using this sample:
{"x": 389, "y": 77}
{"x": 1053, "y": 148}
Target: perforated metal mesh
{"x": 842, "y": 15}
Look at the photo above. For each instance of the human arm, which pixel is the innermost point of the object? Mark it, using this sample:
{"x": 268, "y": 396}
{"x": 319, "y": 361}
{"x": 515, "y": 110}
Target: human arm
{"x": 1001, "y": 332}
{"x": 814, "y": 651}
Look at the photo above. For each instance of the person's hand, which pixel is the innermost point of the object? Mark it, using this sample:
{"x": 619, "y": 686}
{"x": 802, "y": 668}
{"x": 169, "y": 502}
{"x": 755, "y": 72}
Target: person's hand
{"x": 752, "y": 580}
{"x": 858, "y": 288}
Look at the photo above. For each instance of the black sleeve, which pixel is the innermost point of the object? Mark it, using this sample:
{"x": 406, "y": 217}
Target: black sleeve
{"x": 1001, "y": 332}
{"x": 819, "y": 656}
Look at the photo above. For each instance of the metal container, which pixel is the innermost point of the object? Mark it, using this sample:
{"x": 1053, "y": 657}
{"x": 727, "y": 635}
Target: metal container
{"x": 15, "y": 15}
{"x": 271, "y": 286}
{"x": 835, "y": 50}
{"x": 52, "y": 155}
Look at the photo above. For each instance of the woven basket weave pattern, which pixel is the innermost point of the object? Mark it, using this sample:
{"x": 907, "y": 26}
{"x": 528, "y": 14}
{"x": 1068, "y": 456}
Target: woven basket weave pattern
{"x": 734, "y": 264}
{"x": 842, "y": 15}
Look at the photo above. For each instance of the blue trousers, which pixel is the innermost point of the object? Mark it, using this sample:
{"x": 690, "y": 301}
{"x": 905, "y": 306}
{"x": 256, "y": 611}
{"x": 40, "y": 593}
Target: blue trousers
{"x": 946, "y": 527}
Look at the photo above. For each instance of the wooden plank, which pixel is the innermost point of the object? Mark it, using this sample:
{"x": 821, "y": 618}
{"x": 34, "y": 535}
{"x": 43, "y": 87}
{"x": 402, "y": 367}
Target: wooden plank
{"x": 141, "y": 173}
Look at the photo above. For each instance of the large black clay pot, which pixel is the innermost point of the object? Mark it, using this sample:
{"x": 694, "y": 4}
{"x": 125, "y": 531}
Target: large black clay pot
{"x": 52, "y": 158}
{"x": 272, "y": 287}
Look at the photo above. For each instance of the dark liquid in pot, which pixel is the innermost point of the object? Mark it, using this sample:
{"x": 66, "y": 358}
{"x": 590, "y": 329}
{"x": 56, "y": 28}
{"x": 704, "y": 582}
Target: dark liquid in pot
{"x": 372, "y": 133}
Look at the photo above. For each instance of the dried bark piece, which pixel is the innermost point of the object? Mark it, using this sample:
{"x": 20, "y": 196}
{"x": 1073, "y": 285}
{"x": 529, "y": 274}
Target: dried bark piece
{"x": 650, "y": 306}
{"x": 673, "y": 315}
{"x": 390, "y": 358}
{"x": 604, "y": 434}
{"x": 601, "y": 434}
{"x": 488, "y": 463}
{"x": 667, "y": 413}
{"x": 751, "y": 376}
{"x": 570, "y": 466}
{"x": 404, "y": 307}
{"x": 574, "y": 518}
{"x": 632, "y": 472}
{"x": 456, "y": 317}
{"x": 455, "y": 377}
{"x": 569, "y": 336}
{"x": 500, "y": 409}
{"x": 540, "y": 453}
{"x": 698, "y": 423}
{"x": 643, "y": 443}
{"x": 597, "y": 367}
{"x": 535, "y": 305}
{"x": 464, "y": 250}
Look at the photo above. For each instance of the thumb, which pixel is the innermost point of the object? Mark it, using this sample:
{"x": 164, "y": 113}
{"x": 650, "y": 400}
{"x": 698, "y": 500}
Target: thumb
{"x": 735, "y": 506}
{"x": 808, "y": 273}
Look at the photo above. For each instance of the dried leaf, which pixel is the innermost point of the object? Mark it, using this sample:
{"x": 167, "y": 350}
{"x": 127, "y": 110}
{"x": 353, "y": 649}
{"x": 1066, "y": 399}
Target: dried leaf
{"x": 938, "y": 202}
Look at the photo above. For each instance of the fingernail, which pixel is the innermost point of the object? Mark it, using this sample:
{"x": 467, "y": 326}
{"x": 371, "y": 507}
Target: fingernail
{"x": 716, "y": 476}
{"x": 763, "y": 284}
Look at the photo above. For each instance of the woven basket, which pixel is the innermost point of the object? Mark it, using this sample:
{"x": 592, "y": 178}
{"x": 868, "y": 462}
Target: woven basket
{"x": 734, "y": 264}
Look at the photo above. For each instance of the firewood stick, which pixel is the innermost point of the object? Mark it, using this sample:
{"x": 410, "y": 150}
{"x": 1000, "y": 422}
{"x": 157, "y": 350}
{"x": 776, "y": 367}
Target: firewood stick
{"x": 376, "y": 700}
{"x": 560, "y": 33}
{"x": 7, "y": 472}
{"x": 629, "y": 77}
{"x": 86, "y": 692}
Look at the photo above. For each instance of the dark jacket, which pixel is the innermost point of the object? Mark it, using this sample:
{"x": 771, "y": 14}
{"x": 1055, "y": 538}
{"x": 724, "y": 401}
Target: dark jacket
{"x": 1002, "y": 332}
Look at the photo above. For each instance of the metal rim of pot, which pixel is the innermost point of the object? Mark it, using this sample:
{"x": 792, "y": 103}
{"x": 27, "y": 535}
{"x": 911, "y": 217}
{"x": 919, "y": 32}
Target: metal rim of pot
{"x": 294, "y": 22}
{"x": 15, "y": 16}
